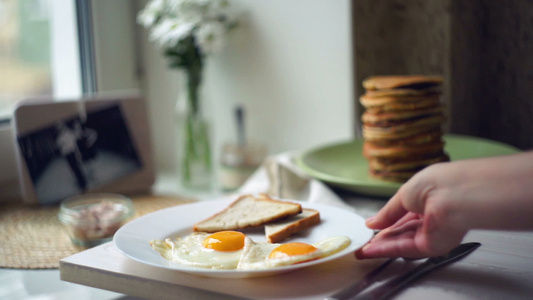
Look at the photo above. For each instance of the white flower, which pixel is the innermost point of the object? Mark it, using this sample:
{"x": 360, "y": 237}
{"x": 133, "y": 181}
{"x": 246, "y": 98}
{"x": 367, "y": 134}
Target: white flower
{"x": 171, "y": 21}
{"x": 218, "y": 9}
{"x": 191, "y": 11}
{"x": 170, "y": 31}
{"x": 151, "y": 12}
{"x": 210, "y": 37}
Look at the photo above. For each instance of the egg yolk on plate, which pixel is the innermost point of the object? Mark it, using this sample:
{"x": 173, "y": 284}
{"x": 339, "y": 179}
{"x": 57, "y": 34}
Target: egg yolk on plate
{"x": 225, "y": 241}
{"x": 291, "y": 249}
{"x": 235, "y": 250}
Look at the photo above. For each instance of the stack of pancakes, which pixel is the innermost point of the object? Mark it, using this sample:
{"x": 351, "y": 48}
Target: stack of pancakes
{"x": 402, "y": 125}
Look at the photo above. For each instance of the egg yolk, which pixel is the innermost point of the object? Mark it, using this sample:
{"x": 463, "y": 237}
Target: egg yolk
{"x": 225, "y": 241}
{"x": 291, "y": 249}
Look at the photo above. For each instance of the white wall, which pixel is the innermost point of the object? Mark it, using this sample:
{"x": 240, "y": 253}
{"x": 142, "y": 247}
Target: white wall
{"x": 290, "y": 64}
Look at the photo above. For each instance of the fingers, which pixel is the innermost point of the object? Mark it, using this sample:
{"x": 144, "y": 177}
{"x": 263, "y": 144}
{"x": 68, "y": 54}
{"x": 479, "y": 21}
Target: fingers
{"x": 389, "y": 214}
{"x": 412, "y": 237}
{"x": 410, "y": 197}
{"x": 405, "y": 233}
{"x": 390, "y": 248}
{"x": 394, "y": 242}
{"x": 399, "y": 226}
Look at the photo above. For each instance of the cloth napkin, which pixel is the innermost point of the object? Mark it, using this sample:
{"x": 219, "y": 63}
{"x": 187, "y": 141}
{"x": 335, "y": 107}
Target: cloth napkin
{"x": 280, "y": 177}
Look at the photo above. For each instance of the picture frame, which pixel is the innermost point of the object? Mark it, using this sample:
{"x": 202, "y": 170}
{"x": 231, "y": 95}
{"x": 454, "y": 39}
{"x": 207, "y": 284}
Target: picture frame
{"x": 94, "y": 144}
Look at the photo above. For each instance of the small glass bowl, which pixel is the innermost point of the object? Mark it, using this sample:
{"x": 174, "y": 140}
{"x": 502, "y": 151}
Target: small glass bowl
{"x": 93, "y": 219}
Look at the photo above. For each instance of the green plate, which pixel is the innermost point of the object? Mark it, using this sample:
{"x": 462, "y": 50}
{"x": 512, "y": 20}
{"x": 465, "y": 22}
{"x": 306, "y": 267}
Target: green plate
{"x": 344, "y": 165}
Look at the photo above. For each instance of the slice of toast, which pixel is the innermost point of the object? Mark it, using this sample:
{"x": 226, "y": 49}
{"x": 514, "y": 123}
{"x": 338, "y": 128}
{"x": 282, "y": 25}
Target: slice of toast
{"x": 248, "y": 211}
{"x": 280, "y": 230}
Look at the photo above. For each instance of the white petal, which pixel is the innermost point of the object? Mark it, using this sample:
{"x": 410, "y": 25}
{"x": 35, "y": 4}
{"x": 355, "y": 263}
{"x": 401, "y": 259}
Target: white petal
{"x": 210, "y": 37}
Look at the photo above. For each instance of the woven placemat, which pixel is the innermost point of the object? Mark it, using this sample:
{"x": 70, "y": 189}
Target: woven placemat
{"x": 32, "y": 237}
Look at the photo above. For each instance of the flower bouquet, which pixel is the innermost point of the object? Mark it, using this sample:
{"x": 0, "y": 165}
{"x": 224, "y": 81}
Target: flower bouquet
{"x": 187, "y": 31}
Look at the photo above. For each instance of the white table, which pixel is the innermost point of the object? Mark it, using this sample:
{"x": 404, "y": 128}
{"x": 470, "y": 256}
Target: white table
{"x": 501, "y": 269}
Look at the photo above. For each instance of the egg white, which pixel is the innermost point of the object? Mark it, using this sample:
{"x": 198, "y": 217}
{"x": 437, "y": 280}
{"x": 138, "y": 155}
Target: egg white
{"x": 254, "y": 255}
{"x": 189, "y": 251}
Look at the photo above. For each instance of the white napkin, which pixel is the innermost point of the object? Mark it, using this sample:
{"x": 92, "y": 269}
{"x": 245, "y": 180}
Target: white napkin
{"x": 280, "y": 177}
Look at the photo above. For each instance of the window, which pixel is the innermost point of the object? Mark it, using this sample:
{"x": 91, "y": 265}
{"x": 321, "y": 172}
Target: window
{"x": 53, "y": 48}
{"x": 39, "y": 51}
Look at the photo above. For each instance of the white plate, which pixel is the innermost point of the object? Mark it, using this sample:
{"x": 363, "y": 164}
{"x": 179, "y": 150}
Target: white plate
{"x": 132, "y": 239}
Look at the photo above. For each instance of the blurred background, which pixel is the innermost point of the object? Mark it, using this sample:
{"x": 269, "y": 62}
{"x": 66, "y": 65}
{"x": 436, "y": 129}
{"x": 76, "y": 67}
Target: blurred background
{"x": 296, "y": 66}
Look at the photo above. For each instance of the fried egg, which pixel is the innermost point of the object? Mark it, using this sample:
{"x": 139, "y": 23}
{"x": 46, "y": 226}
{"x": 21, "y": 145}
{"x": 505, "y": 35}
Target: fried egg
{"x": 235, "y": 250}
{"x": 221, "y": 250}
{"x": 266, "y": 256}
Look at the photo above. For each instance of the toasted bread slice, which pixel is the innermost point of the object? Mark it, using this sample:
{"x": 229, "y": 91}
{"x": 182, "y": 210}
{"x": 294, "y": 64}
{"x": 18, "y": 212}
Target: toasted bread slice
{"x": 280, "y": 230}
{"x": 248, "y": 211}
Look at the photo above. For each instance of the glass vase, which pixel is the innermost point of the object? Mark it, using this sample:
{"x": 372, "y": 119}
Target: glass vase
{"x": 195, "y": 165}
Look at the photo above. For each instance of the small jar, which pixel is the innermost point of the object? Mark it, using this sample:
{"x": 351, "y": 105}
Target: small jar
{"x": 93, "y": 219}
{"x": 238, "y": 162}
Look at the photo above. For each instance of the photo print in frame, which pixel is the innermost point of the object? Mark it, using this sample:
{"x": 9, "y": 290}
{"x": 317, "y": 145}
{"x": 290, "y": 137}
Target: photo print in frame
{"x": 70, "y": 148}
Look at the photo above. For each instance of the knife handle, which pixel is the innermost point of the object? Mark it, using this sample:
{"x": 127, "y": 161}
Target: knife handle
{"x": 392, "y": 286}
{"x": 354, "y": 289}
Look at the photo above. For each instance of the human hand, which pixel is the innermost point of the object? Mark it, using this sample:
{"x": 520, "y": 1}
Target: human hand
{"x": 415, "y": 222}
{"x": 431, "y": 213}
{"x": 412, "y": 236}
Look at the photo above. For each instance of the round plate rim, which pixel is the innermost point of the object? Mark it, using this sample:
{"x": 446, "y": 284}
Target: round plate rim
{"x": 376, "y": 187}
{"x": 125, "y": 232}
